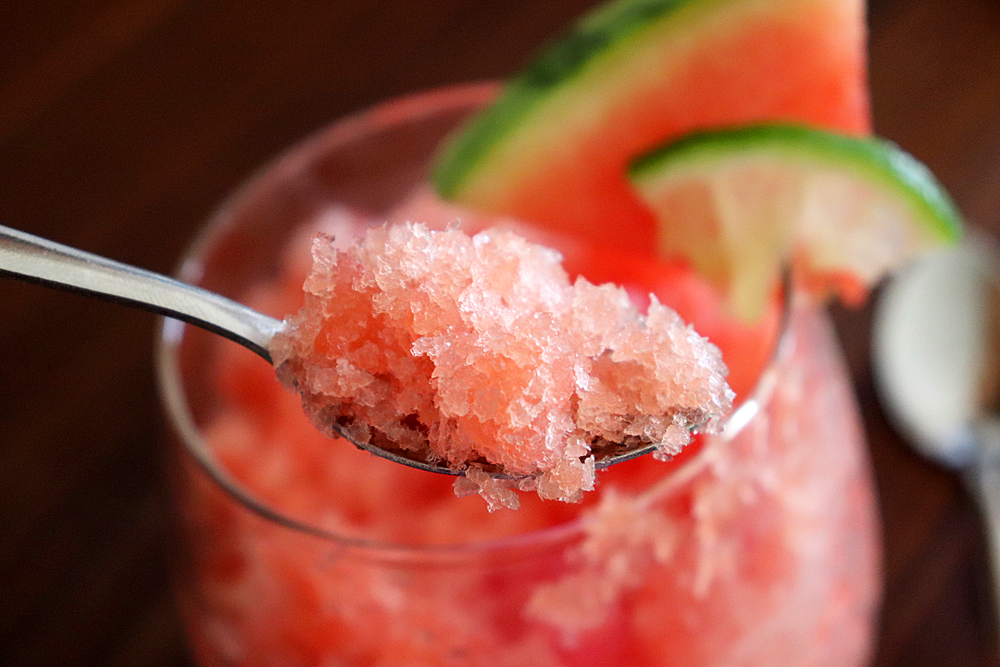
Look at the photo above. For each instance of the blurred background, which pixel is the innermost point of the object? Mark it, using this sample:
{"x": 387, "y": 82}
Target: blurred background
{"x": 124, "y": 122}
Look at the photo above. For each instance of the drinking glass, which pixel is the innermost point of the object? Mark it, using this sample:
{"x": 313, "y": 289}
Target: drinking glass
{"x": 760, "y": 548}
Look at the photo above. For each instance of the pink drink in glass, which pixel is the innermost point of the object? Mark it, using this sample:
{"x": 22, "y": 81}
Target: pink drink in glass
{"x": 759, "y": 546}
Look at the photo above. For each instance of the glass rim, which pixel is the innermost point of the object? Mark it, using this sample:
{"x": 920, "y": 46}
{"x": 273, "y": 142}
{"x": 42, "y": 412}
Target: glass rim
{"x": 171, "y": 333}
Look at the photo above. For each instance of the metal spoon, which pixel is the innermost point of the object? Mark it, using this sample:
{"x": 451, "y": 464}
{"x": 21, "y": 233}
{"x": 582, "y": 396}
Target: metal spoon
{"x": 33, "y": 259}
{"x": 936, "y": 356}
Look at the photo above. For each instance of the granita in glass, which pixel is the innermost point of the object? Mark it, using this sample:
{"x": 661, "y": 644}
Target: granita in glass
{"x": 756, "y": 545}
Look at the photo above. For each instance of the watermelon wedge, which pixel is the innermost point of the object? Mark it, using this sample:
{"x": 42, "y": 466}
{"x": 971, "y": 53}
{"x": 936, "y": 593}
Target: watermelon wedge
{"x": 554, "y": 148}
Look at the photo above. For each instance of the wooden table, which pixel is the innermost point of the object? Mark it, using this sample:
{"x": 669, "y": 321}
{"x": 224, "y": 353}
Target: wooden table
{"x": 123, "y": 122}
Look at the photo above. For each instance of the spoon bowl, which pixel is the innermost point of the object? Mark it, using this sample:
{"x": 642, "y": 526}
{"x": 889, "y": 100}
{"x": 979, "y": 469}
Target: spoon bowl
{"x": 935, "y": 349}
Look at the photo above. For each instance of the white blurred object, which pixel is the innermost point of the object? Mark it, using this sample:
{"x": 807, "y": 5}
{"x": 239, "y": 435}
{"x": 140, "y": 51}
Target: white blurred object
{"x": 933, "y": 344}
{"x": 936, "y": 361}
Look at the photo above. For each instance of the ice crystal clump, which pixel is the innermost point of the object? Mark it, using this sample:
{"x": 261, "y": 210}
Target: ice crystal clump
{"x": 479, "y": 352}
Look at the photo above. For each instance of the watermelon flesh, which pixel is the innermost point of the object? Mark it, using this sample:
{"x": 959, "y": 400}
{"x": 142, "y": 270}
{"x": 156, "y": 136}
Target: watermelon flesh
{"x": 283, "y": 598}
{"x": 555, "y": 153}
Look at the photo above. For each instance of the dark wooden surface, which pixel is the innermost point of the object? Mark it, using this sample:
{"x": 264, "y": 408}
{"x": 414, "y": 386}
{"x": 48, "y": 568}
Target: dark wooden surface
{"x": 122, "y": 122}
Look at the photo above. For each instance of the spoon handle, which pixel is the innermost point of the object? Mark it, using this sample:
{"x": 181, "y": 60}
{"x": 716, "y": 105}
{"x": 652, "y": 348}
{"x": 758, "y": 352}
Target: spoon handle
{"x": 985, "y": 479}
{"x": 37, "y": 260}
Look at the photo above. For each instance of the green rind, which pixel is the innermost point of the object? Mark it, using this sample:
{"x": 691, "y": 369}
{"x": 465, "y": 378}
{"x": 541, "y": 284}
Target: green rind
{"x": 596, "y": 35}
{"x": 873, "y": 159}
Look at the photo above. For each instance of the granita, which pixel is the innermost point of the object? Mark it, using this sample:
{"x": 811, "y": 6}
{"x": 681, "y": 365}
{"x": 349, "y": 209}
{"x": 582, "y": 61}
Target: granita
{"x": 478, "y": 352}
{"x": 755, "y": 546}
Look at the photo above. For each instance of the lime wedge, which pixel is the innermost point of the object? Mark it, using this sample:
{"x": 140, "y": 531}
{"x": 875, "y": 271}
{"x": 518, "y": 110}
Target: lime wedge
{"x": 741, "y": 203}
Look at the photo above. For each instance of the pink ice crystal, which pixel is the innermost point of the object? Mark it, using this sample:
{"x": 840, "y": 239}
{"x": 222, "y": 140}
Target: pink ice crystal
{"x": 480, "y": 353}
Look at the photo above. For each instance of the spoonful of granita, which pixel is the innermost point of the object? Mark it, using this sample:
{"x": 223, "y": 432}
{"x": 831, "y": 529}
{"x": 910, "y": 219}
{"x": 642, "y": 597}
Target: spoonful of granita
{"x": 468, "y": 355}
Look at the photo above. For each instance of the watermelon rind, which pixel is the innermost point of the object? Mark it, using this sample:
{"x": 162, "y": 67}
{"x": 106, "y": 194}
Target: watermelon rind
{"x": 608, "y": 29}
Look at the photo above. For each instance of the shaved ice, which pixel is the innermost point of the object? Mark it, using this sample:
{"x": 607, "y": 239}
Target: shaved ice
{"x": 478, "y": 352}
